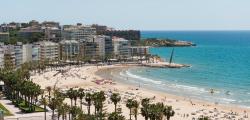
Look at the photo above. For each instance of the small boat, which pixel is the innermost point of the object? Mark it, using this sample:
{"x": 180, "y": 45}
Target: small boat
{"x": 171, "y": 57}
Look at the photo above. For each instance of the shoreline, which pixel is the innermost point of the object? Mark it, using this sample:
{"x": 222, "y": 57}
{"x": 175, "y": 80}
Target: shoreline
{"x": 118, "y": 69}
{"x": 87, "y": 77}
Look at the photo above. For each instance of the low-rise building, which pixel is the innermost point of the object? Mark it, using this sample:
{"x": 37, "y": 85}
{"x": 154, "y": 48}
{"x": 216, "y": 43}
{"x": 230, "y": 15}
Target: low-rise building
{"x": 139, "y": 50}
{"x": 79, "y": 32}
{"x": 121, "y": 48}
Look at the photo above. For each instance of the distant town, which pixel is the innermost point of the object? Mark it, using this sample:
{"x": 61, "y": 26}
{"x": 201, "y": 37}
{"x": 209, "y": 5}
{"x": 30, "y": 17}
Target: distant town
{"x": 50, "y": 41}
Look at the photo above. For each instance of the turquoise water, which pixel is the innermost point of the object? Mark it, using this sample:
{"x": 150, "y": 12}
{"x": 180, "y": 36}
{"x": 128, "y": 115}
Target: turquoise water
{"x": 220, "y": 61}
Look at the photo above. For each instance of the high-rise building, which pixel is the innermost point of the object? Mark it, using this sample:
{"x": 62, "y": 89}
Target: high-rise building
{"x": 104, "y": 45}
{"x": 35, "y": 52}
{"x": 69, "y": 49}
{"x": 121, "y": 48}
{"x": 18, "y": 54}
{"x": 9, "y": 56}
{"x": 49, "y": 50}
{"x": 90, "y": 48}
{"x": 27, "y": 53}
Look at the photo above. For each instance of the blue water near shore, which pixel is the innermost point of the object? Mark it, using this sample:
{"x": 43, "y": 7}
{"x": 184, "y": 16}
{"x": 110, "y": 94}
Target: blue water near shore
{"x": 220, "y": 61}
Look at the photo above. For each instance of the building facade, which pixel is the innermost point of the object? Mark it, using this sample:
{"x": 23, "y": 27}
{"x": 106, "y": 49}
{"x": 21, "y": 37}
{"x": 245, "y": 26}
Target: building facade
{"x": 121, "y": 48}
{"x": 139, "y": 50}
{"x": 4, "y": 36}
{"x": 69, "y": 49}
{"x": 49, "y": 51}
{"x": 9, "y": 56}
{"x": 27, "y": 53}
{"x": 79, "y": 32}
{"x": 18, "y": 55}
{"x": 36, "y": 52}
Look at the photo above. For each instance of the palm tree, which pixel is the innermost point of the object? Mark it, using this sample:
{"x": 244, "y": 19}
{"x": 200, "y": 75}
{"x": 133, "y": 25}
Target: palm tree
{"x": 203, "y": 118}
{"x": 44, "y": 102}
{"x": 99, "y": 98}
{"x": 145, "y": 106}
{"x": 168, "y": 112}
{"x": 88, "y": 99}
{"x": 53, "y": 105}
{"x": 135, "y": 108}
{"x": 49, "y": 89}
{"x": 129, "y": 105}
{"x": 62, "y": 111}
{"x": 75, "y": 95}
{"x": 115, "y": 98}
{"x": 70, "y": 94}
{"x": 115, "y": 116}
{"x": 156, "y": 111}
{"x": 75, "y": 111}
{"x": 81, "y": 94}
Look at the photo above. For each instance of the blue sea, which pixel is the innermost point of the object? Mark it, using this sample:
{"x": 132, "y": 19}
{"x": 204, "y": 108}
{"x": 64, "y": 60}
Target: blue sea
{"x": 220, "y": 61}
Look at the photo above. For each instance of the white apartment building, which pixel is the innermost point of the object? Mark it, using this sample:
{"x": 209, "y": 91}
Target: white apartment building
{"x": 18, "y": 55}
{"x": 27, "y": 53}
{"x": 35, "y": 52}
{"x": 121, "y": 47}
{"x": 9, "y": 50}
{"x": 48, "y": 50}
{"x": 78, "y": 32}
{"x": 100, "y": 40}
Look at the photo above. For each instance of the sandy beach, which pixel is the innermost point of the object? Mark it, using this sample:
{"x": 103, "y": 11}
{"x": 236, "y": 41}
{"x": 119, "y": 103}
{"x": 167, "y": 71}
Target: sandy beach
{"x": 90, "y": 78}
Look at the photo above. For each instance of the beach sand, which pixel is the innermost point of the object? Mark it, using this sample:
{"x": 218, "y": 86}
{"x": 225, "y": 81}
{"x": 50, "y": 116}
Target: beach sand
{"x": 90, "y": 78}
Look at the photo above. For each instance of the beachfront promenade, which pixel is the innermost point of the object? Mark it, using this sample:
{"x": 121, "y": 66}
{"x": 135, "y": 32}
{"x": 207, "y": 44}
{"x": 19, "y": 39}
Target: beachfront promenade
{"x": 18, "y": 115}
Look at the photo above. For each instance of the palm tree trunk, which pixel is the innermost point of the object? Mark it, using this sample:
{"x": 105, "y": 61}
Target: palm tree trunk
{"x": 45, "y": 112}
{"x": 168, "y": 117}
{"x": 53, "y": 114}
{"x": 89, "y": 109}
{"x": 69, "y": 115}
{"x": 49, "y": 96}
{"x": 71, "y": 102}
{"x": 115, "y": 108}
{"x": 75, "y": 102}
{"x": 130, "y": 114}
{"x": 81, "y": 103}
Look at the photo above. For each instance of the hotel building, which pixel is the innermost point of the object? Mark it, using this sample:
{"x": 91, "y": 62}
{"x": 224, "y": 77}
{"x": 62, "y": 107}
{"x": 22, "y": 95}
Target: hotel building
{"x": 49, "y": 50}
{"x": 69, "y": 49}
{"x": 121, "y": 47}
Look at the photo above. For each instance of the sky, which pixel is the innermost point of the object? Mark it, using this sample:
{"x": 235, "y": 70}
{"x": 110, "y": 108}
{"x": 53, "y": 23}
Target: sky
{"x": 134, "y": 14}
